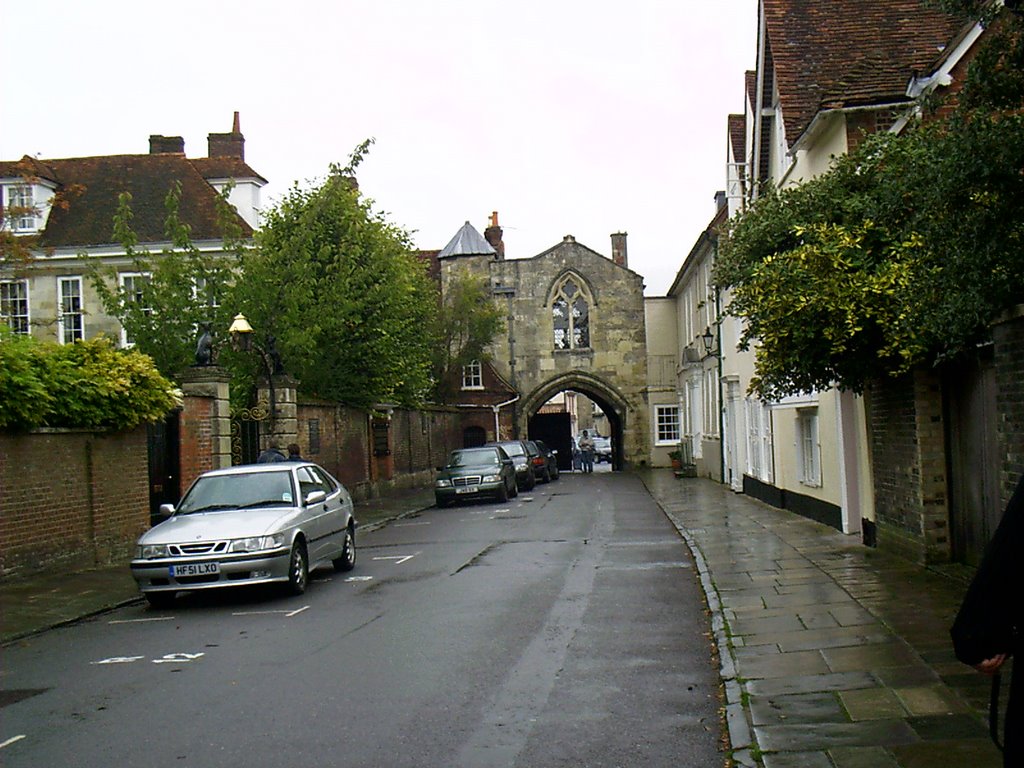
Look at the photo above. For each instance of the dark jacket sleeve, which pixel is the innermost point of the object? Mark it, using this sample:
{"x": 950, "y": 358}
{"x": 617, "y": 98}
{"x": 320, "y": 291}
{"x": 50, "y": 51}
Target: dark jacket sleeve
{"x": 991, "y": 609}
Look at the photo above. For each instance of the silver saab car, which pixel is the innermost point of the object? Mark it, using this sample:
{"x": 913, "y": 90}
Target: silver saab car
{"x": 254, "y": 524}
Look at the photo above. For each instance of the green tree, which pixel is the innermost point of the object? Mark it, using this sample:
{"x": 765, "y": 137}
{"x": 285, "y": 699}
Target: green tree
{"x": 349, "y": 305}
{"x": 903, "y": 253}
{"x": 468, "y": 322}
{"x": 180, "y": 291}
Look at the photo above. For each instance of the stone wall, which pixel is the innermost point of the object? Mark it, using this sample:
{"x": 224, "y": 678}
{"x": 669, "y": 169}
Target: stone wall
{"x": 71, "y": 498}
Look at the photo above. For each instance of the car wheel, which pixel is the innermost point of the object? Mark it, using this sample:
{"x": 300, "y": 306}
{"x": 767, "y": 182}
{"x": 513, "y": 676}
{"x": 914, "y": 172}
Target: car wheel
{"x": 503, "y": 494}
{"x": 160, "y": 599}
{"x": 513, "y": 491}
{"x": 442, "y": 502}
{"x": 347, "y": 561}
{"x": 298, "y": 569}
{"x": 554, "y": 475}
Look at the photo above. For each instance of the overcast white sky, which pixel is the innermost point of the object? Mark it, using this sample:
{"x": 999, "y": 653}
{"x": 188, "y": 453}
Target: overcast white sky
{"x": 582, "y": 117}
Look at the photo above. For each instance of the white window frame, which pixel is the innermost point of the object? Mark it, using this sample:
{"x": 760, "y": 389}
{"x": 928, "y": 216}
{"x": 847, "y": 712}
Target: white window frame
{"x": 711, "y": 427}
{"x": 473, "y": 375}
{"x": 18, "y": 322}
{"x": 123, "y": 278}
{"x": 759, "y": 440}
{"x": 22, "y": 196}
{"x": 667, "y": 425}
{"x": 808, "y": 447}
{"x": 70, "y": 318}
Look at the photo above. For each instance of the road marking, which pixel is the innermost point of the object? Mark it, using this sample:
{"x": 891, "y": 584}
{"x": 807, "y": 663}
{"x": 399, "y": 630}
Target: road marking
{"x": 358, "y": 578}
{"x": 409, "y": 525}
{"x": 296, "y": 612}
{"x": 119, "y": 660}
{"x": 178, "y": 658}
{"x": 141, "y": 621}
{"x": 399, "y": 559}
{"x": 11, "y": 741}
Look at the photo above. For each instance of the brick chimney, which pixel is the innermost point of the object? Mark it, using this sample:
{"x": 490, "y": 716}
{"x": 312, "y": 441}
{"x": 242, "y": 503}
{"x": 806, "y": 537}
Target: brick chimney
{"x": 227, "y": 144}
{"x": 619, "y": 249}
{"x": 493, "y": 236}
{"x": 166, "y": 145}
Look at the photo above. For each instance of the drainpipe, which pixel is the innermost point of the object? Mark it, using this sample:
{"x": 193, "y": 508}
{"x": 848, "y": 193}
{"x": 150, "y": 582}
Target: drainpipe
{"x": 496, "y": 409}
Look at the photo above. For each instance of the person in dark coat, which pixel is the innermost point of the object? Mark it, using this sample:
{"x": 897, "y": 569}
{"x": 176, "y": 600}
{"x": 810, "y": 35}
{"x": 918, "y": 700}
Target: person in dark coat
{"x": 272, "y": 454}
{"x": 294, "y": 452}
{"x": 987, "y": 629}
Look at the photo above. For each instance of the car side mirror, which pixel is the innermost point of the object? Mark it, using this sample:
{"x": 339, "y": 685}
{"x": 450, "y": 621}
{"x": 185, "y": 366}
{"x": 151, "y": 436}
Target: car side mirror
{"x": 166, "y": 510}
{"x": 315, "y": 497}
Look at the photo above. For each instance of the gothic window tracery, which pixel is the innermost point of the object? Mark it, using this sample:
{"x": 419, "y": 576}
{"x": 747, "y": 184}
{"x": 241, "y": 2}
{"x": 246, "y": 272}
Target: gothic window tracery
{"x": 570, "y": 312}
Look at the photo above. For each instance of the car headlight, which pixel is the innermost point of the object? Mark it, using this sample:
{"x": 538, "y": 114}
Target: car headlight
{"x": 491, "y": 478}
{"x": 443, "y": 483}
{"x": 257, "y": 543}
{"x": 150, "y": 551}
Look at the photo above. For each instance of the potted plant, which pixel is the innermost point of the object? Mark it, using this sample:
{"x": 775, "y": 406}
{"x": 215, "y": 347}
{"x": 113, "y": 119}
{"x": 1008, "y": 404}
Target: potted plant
{"x": 676, "y": 457}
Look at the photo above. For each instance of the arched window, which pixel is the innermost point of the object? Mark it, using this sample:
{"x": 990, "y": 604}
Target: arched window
{"x": 571, "y": 316}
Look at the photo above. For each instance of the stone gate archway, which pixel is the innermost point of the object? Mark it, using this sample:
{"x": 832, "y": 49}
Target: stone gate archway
{"x": 611, "y": 401}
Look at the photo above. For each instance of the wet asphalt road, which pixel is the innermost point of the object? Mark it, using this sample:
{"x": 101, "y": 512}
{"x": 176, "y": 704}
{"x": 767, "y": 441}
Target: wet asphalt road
{"x": 563, "y": 628}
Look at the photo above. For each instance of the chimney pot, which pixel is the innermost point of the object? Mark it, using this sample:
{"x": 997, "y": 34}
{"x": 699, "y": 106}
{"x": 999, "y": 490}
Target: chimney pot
{"x": 166, "y": 145}
{"x": 619, "y": 249}
{"x": 493, "y": 235}
{"x": 227, "y": 144}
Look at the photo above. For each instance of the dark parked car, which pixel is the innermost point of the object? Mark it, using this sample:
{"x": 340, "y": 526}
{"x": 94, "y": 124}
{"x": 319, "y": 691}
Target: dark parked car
{"x": 254, "y": 524}
{"x": 522, "y": 454}
{"x": 474, "y": 472}
{"x": 545, "y": 464}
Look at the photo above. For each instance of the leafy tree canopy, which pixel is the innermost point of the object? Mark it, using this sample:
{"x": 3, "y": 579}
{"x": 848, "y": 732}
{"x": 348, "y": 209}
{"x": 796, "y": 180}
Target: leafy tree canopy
{"x": 901, "y": 255}
{"x": 351, "y": 308}
{"x": 467, "y": 323}
{"x": 177, "y": 292}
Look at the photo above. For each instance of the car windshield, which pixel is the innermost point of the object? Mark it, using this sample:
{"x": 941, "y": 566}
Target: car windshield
{"x": 238, "y": 491}
{"x": 473, "y": 457}
{"x": 513, "y": 449}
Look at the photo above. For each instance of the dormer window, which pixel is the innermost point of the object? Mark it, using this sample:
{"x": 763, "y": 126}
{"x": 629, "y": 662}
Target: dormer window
{"x": 20, "y": 208}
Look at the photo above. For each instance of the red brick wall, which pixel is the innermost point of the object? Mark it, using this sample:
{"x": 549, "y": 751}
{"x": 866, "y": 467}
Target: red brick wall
{"x": 908, "y": 457}
{"x": 196, "y": 438}
{"x": 1009, "y": 361}
{"x": 70, "y": 497}
{"x": 419, "y": 441}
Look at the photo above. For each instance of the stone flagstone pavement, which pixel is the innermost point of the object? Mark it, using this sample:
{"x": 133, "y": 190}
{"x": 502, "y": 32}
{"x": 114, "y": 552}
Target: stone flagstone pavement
{"x": 834, "y": 655}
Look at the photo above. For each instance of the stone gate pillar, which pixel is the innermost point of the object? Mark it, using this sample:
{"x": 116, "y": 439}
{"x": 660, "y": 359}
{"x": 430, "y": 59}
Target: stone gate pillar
{"x": 279, "y": 392}
{"x": 205, "y": 424}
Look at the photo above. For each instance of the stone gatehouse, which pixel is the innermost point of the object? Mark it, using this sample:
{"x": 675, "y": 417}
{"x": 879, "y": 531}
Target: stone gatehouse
{"x": 575, "y": 323}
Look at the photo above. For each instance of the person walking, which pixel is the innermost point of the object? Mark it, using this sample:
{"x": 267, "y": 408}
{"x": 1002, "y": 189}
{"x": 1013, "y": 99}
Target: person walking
{"x": 986, "y": 632}
{"x": 587, "y": 450}
{"x": 294, "y": 452}
{"x": 273, "y": 453}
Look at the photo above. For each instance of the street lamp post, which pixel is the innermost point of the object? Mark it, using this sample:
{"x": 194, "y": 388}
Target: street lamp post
{"x": 242, "y": 339}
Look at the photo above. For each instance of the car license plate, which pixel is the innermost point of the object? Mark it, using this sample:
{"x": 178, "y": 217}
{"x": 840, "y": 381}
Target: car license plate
{"x": 194, "y": 569}
{"x": 467, "y": 489}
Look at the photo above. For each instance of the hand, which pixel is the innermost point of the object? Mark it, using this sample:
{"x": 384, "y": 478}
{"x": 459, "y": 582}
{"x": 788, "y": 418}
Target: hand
{"x": 991, "y": 666}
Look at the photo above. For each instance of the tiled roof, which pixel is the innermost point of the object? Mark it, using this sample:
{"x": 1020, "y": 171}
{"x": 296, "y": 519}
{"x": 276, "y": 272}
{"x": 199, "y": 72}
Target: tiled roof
{"x": 846, "y": 53}
{"x": 92, "y": 186}
{"x": 738, "y": 138}
{"x": 225, "y": 168}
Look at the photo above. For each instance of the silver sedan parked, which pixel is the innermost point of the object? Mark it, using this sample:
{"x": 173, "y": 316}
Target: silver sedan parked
{"x": 255, "y": 524}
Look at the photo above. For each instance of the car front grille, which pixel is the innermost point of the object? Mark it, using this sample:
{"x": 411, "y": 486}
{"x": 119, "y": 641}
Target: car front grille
{"x": 464, "y": 481}
{"x": 198, "y": 548}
